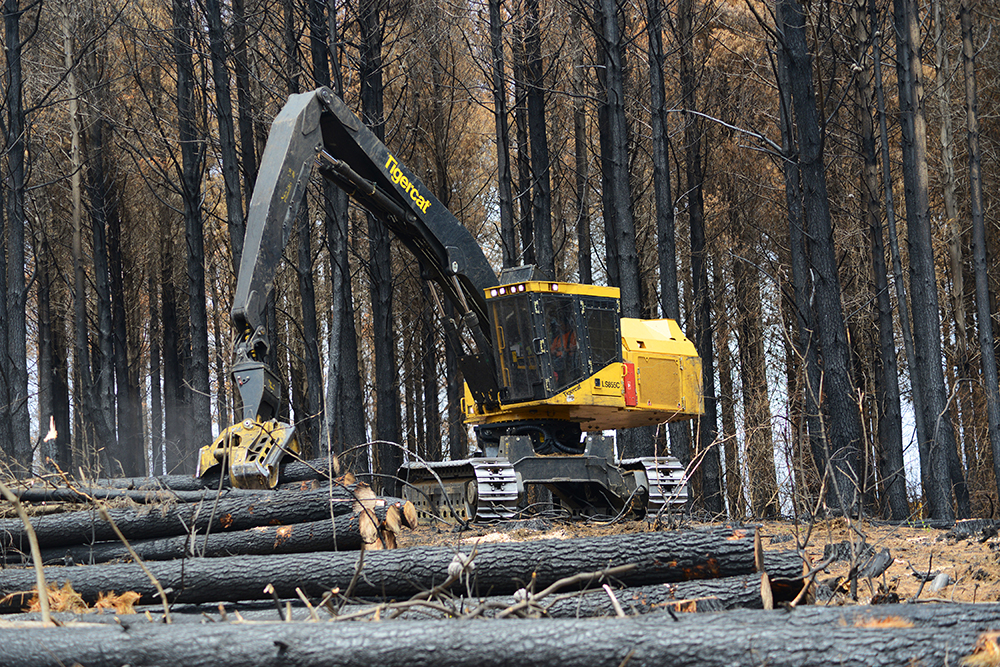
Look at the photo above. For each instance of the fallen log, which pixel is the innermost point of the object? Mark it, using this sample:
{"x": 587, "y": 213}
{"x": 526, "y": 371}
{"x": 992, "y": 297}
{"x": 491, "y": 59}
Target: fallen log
{"x": 859, "y": 636}
{"x": 291, "y": 471}
{"x": 343, "y": 533}
{"x": 227, "y": 514}
{"x": 739, "y": 592}
{"x": 498, "y": 568}
{"x": 146, "y": 496}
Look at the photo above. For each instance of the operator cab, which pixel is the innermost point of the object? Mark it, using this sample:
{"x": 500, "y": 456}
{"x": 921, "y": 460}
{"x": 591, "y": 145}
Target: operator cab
{"x": 550, "y": 336}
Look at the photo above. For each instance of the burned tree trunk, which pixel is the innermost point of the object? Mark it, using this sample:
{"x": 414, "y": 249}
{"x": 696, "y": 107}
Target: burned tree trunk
{"x": 345, "y": 533}
{"x": 240, "y": 513}
{"x": 499, "y": 568}
{"x": 917, "y": 634}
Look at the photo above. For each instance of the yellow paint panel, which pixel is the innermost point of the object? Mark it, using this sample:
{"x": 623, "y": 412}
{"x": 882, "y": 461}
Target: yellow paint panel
{"x": 655, "y": 336}
{"x": 573, "y": 289}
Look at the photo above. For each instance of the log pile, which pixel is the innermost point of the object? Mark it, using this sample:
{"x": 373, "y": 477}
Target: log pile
{"x": 651, "y": 558}
{"x": 208, "y": 523}
{"x": 283, "y": 556}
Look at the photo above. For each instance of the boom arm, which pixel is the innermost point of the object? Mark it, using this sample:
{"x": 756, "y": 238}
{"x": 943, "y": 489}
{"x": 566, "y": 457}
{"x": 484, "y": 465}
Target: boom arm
{"x": 317, "y": 127}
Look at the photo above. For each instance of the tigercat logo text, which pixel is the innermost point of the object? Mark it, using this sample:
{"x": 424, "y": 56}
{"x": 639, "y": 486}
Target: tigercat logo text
{"x": 402, "y": 181}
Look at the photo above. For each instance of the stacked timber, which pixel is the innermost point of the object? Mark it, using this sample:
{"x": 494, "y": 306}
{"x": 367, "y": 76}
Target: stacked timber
{"x": 650, "y": 559}
{"x": 209, "y": 523}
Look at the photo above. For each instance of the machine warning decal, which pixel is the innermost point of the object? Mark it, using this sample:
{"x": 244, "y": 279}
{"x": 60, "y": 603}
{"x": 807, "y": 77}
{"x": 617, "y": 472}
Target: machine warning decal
{"x": 402, "y": 181}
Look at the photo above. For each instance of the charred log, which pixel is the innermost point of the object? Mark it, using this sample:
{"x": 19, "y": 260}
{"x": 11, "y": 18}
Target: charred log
{"x": 498, "y": 568}
{"x": 227, "y": 514}
{"x": 343, "y": 533}
{"x": 895, "y": 635}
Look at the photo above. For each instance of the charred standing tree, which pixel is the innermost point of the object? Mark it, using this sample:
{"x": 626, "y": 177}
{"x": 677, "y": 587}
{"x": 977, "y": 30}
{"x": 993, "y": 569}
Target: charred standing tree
{"x": 101, "y": 193}
{"x": 541, "y": 188}
{"x": 219, "y": 54}
{"x": 582, "y": 157}
{"x": 155, "y": 390}
{"x": 345, "y": 420}
{"x": 618, "y": 222}
{"x": 82, "y": 378}
{"x": 524, "y": 175}
{"x": 53, "y": 372}
{"x": 7, "y": 442}
{"x": 429, "y": 361}
{"x": 248, "y": 154}
{"x": 710, "y": 470}
{"x": 941, "y": 471}
{"x": 619, "y": 225}
{"x": 16, "y": 292}
{"x": 192, "y": 163}
{"x": 508, "y": 235}
{"x": 174, "y": 394}
{"x": 805, "y": 365}
{"x": 843, "y": 431}
{"x": 988, "y": 361}
{"x": 371, "y": 23}
{"x": 680, "y": 432}
{"x": 891, "y": 474}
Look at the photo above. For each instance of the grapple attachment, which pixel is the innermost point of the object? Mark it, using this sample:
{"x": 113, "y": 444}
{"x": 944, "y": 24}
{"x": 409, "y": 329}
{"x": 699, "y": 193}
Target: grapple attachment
{"x": 251, "y": 451}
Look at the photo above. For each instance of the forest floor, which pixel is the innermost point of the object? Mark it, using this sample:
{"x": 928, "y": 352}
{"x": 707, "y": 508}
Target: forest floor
{"x": 971, "y": 563}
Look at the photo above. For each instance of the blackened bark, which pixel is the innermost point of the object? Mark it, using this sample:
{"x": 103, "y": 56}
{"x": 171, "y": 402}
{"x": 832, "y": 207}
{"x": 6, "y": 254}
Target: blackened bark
{"x": 174, "y": 395}
{"x": 218, "y": 51}
{"x": 499, "y": 568}
{"x": 248, "y": 154}
{"x": 192, "y": 162}
{"x": 307, "y": 417}
{"x": 508, "y": 236}
{"x": 620, "y": 233}
{"x": 805, "y": 637}
{"x": 341, "y": 533}
{"x": 666, "y": 250}
{"x": 6, "y": 436}
{"x": 843, "y": 433}
{"x": 524, "y": 174}
{"x": 582, "y": 154}
{"x": 388, "y": 458}
{"x": 16, "y": 292}
{"x": 458, "y": 441}
{"x": 735, "y": 499}
{"x": 938, "y": 451}
{"x": 541, "y": 200}
{"x": 53, "y": 373}
{"x": 307, "y": 414}
{"x": 808, "y": 377}
{"x": 242, "y": 512}
{"x": 431, "y": 402}
{"x": 345, "y": 420}
{"x": 986, "y": 342}
{"x": 891, "y": 473}
{"x": 155, "y": 391}
{"x": 710, "y": 470}
{"x": 902, "y": 302}
{"x": 102, "y": 207}
{"x": 131, "y": 448}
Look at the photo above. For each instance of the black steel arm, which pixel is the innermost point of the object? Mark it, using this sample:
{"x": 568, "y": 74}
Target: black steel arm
{"x": 317, "y": 127}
